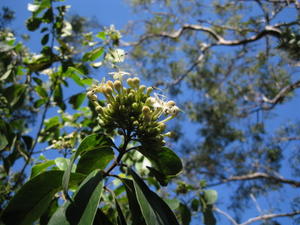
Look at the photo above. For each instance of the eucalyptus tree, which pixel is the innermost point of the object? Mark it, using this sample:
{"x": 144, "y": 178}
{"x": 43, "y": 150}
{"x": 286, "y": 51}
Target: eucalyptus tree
{"x": 234, "y": 67}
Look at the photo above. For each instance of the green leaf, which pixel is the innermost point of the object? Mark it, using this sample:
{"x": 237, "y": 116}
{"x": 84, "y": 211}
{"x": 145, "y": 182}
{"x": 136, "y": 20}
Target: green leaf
{"x": 154, "y": 209}
{"x": 58, "y": 97}
{"x": 94, "y": 54}
{"x": 137, "y": 216}
{"x": 101, "y": 218}
{"x": 185, "y": 214}
{"x": 172, "y": 203}
{"x": 101, "y": 35}
{"x": 62, "y": 163}
{"x": 94, "y": 159}
{"x": 3, "y": 141}
{"x": 41, "y": 167}
{"x": 120, "y": 218}
{"x": 83, "y": 208}
{"x": 163, "y": 160}
{"x": 77, "y": 100}
{"x": 91, "y": 142}
{"x": 33, "y": 23}
{"x": 14, "y": 94}
{"x": 34, "y": 197}
{"x": 52, "y": 122}
{"x": 49, "y": 212}
{"x": 41, "y": 91}
{"x": 45, "y": 39}
{"x": 210, "y": 196}
{"x": 208, "y": 216}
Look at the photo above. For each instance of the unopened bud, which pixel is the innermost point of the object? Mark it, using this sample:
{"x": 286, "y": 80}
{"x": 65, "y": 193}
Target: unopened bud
{"x": 171, "y": 104}
{"x": 135, "y": 106}
{"x": 146, "y": 110}
{"x": 108, "y": 90}
{"x": 161, "y": 126}
{"x": 118, "y": 85}
{"x": 150, "y": 101}
{"x": 174, "y": 110}
{"x": 130, "y": 82}
{"x": 136, "y": 82}
{"x": 99, "y": 109}
{"x": 142, "y": 88}
{"x": 110, "y": 84}
{"x": 149, "y": 90}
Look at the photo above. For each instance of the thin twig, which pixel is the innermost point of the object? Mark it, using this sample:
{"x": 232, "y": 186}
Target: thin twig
{"x": 258, "y": 175}
{"x": 270, "y": 216}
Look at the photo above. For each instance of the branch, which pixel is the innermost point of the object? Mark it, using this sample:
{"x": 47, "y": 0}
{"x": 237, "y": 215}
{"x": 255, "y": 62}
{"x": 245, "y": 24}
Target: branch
{"x": 269, "y": 30}
{"x": 226, "y": 215}
{"x": 280, "y": 96}
{"x": 254, "y": 176}
{"x": 269, "y": 216}
{"x": 288, "y": 138}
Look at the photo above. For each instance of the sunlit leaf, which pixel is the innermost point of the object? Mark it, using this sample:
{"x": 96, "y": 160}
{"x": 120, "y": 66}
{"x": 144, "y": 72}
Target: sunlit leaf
{"x": 40, "y": 167}
{"x": 94, "y": 159}
{"x": 154, "y": 209}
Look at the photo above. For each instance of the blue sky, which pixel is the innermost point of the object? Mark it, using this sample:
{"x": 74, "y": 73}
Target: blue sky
{"x": 117, "y": 12}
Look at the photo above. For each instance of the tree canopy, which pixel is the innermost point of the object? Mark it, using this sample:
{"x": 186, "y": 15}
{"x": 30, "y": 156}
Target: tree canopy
{"x": 96, "y": 151}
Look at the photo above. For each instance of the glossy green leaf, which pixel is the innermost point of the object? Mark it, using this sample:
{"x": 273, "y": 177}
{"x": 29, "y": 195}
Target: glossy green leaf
{"x": 101, "y": 35}
{"x": 172, "y": 203}
{"x": 34, "y": 197}
{"x": 154, "y": 209}
{"x": 94, "y": 54}
{"x": 62, "y": 163}
{"x": 41, "y": 167}
{"x": 52, "y": 122}
{"x": 163, "y": 160}
{"x": 210, "y": 196}
{"x": 136, "y": 214}
{"x": 91, "y": 142}
{"x": 77, "y": 100}
{"x": 94, "y": 159}
{"x": 82, "y": 209}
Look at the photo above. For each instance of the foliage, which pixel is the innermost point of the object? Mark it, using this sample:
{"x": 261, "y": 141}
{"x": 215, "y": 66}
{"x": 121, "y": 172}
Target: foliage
{"x": 229, "y": 63}
{"x": 233, "y": 65}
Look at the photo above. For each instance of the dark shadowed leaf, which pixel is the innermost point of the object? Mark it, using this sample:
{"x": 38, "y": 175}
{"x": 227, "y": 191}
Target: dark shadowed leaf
{"x": 95, "y": 159}
{"x": 45, "y": 39}
{"x": 137, "y": 216}
{"x": 163, "y": 160}
{"x": 208, "y": 216}
{"x": 120, "y": 218}
{"x": 185, "y": 214}
{"x": 77, "y": 100}
{"x": 154, "y": 209}
{"x": 83, "y": 208}
{"x": 34, "y": 197}
{"x": 101, "y": 218}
